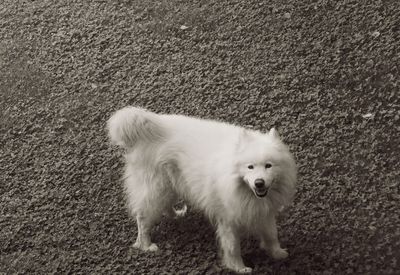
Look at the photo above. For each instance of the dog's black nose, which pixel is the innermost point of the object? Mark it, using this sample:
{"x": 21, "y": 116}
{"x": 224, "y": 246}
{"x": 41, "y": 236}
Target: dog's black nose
{"x": 259, "y": 183}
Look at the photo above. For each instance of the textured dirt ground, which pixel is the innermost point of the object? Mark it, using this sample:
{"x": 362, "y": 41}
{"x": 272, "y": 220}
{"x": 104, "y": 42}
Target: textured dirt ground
{"x": 326, "y": 73}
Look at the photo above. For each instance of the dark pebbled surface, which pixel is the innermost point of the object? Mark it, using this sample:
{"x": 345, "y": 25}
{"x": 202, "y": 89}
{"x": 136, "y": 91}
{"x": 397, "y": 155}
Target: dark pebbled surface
{"x": 310, "y": 68}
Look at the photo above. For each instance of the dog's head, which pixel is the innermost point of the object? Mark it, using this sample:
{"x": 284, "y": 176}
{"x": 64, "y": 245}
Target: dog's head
{"x": 262, "y": 159}
{"x": 259, "y": 177}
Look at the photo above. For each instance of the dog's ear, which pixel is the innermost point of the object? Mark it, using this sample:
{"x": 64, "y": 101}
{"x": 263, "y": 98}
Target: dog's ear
{"x": 243, "y": 136}
{"x": 274, "y": 133}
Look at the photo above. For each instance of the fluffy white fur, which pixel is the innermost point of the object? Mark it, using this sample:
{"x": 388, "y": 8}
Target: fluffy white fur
{"x": 212, "y": 165}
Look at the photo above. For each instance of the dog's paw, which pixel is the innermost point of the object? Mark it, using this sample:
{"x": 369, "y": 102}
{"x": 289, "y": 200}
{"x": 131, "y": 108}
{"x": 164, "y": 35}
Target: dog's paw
{"x": 151, "y": 248}
{"x": 176, "y": 213}
{"x": 279, "y": 254}
{"x": 245, "y": 270}
{"x": 181, "y": 212}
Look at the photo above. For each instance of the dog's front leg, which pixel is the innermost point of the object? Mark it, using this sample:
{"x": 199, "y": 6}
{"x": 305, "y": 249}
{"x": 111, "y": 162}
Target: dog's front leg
{"x": 230, "y": 246}
{"x": 269, "y": 239}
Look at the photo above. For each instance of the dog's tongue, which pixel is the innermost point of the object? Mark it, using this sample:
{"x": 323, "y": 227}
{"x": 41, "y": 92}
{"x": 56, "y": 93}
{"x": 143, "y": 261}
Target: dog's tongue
{"x": 261, "y": 193}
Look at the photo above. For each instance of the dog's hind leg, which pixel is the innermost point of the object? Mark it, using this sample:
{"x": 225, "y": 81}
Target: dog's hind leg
{"x": 269, "y": 240}
{"x": 147, "y": 198}
{"x": 148, "y": 214}
{"x": 230, "y": 244}
{"x": 145, "y": 222}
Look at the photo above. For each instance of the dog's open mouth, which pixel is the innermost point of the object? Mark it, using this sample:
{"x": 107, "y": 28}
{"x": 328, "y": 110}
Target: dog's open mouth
{"x": 261, "y": 192}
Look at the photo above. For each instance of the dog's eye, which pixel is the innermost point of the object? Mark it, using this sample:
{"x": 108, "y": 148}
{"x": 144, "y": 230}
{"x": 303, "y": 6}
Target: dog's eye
{"x": 268, "y": 165}
{"x": 250, "y": 167}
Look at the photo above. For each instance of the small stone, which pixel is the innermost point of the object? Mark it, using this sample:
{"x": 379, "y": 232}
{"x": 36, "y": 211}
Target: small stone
{"x": 376, "y": 34}
{"x": 287, "y": 15}
{"x": 369, "y": 115}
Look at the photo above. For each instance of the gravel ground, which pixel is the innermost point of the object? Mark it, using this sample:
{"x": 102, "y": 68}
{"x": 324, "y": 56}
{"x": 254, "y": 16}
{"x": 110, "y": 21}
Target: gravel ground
{"x": 326, "y": 73}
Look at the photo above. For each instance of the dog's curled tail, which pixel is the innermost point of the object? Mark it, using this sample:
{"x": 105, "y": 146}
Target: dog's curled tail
{"x": 132, "y": 125}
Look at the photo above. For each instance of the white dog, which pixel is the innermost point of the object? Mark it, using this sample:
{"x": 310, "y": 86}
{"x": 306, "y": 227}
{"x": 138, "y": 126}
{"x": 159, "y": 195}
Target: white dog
{"x": 240, "y": 178}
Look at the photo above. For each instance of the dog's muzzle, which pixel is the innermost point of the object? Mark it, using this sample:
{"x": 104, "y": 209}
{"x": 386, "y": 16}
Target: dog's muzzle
{"x": 261, "y": 190}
